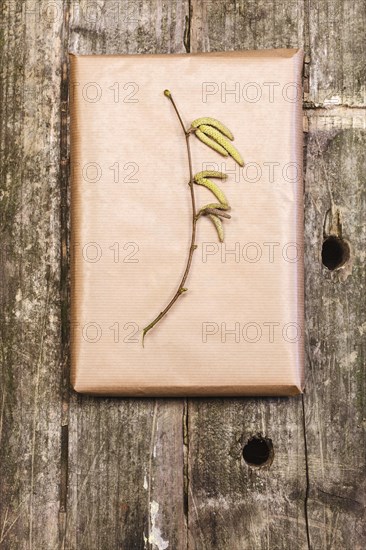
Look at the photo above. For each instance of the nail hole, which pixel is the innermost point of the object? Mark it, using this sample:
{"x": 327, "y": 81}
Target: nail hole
{"x": 335, "y": 252}
{"x": 258, "y": 451}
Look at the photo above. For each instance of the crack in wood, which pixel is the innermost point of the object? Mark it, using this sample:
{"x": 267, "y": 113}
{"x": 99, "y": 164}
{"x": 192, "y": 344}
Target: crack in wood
{"x": 307, "y": 489}
{"x": 187, "y": 29}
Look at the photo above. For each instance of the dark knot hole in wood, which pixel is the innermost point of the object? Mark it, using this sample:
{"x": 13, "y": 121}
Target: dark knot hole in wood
{"x": 258, "y": 451}
{"x": 335, "y": 252}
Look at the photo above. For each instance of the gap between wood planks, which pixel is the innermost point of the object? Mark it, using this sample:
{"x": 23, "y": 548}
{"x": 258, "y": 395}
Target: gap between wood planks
{"x": 64, "y": 280}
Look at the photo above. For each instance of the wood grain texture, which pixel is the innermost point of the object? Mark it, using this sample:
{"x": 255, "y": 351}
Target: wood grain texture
{"x": 247, "y": 24}
{"x": 335, "y": 400}
{"x": 337, "y": 47}
{"x": 233, "y": 505}
{"x": 30, "y": 278}
{"x": 132, "y": 26}
{"x": 125, "y": 474}
{"x": 169, "y": 473}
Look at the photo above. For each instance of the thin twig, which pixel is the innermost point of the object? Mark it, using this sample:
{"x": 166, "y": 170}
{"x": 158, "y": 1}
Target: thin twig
{"x": 193, "y": 246}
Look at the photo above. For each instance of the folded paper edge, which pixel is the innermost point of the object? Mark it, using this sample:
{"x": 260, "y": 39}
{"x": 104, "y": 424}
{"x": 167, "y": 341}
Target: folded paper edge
{"x": 298, "y": 60}
{"x": 285, "y": 53}
{"x": 270, "y": 390}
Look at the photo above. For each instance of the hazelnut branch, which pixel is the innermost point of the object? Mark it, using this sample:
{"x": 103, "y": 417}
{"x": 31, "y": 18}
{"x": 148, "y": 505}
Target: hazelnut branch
{"x": 193, "y": 246}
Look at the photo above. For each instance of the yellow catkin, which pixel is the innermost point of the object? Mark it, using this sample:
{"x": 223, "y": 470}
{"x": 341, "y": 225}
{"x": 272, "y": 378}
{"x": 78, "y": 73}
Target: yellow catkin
{"x": 211, "y": 174}
{"x": 215, "y": 123}
{"x": 213, "y": 188}
{"x": 211, "y": 143}
{"x": 219, "y": 227}
{"x": 221, "y": 140}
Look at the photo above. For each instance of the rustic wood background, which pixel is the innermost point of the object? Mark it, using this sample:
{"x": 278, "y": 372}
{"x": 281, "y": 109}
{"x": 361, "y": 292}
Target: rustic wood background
{"x": 88, "y": 473}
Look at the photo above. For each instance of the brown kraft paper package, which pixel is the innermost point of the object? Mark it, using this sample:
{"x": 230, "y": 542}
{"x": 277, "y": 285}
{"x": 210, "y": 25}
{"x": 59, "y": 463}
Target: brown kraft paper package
{"x": 239, "y": 329}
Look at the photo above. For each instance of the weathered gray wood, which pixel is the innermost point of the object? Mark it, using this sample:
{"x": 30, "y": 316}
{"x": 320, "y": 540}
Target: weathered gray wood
{"x": 337, "y": 47}
{"x": 335, "y": 400}
{"x": 126, "y": 471}
{"x": 233, "y": 505}
{"x": 30, "y": 402}
{"x": 247, "y": 25}
{"x": 125, "y": 474}
{"x": 104, "y": 473}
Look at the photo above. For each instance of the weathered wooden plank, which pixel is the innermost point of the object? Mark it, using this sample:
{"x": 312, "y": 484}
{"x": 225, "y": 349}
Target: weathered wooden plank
{"x": 247, "y": 24}
{"x": 234, "y": 505}
{"x": 125, "y": 474}
{"x": 30, "y": 425}
{"x": 336, "y": 323}
{"x": 337, "y": 48}
{"x": 133, "y": 26}
{"x": 126, "y": 456}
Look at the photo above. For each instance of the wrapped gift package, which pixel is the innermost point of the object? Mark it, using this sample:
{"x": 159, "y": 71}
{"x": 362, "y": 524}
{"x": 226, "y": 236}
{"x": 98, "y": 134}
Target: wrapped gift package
{"x": 237, "y": 327}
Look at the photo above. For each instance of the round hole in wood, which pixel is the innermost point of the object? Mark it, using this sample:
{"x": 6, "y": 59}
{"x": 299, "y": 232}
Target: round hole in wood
{"x": 335, "y": 252}
{"x": 258, "y": 451}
